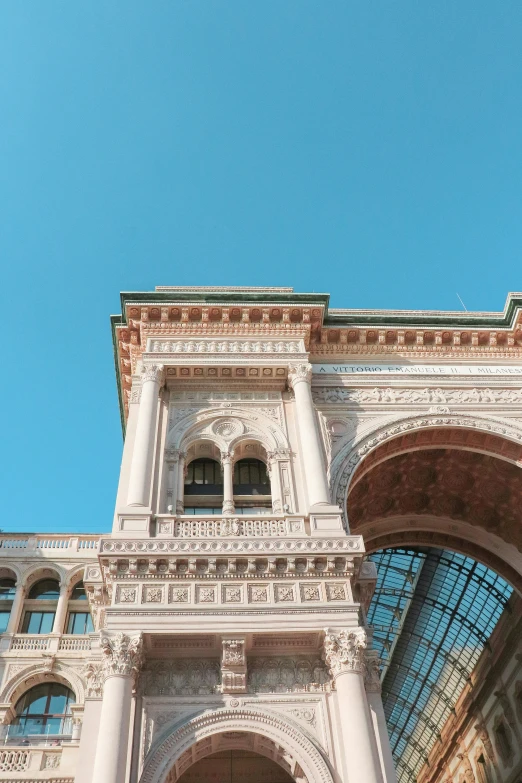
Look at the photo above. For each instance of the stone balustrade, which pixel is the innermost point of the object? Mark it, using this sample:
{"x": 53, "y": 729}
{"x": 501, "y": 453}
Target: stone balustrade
{"x": 37, "y": 759}
{"x": 214, "y": 526}
{"x": 63, "y": 643}
{"x": 53, "y": 546}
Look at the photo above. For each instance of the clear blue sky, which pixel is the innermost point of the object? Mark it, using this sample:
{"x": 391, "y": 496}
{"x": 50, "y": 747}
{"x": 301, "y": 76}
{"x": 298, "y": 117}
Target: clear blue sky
{"x": 368, "y": 149}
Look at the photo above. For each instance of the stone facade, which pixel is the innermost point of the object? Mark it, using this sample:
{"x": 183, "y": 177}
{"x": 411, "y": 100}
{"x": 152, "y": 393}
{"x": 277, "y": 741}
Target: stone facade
{"x": 242, "y": 628}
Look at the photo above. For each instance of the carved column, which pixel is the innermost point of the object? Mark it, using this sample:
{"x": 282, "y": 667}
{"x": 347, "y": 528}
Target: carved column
{"x": 344, "y": 652}
{"x": 228, "y": 481}
{"x": 141, "y": 465}
{"x": 122, "y": 659}
{"x": 300, "y": 378}
{"x": 275, "y": 484}
{"x": 372, "y": 683}
{"x": 16, "y": 609}
{"x": 61, "y": 610}
{"x": 182, "y": 470}
{"x": 233, "y": 665}
{"x": 172, "y": 463}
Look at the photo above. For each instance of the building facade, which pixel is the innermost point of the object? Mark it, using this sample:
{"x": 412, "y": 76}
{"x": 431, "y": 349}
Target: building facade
{"x": 220, "y": 631}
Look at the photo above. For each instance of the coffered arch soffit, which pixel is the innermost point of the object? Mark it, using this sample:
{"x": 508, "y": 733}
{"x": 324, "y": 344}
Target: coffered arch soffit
{"x": 227, "y": 428}
{"x": 175, "y": 741}
{"x": 362, "y": 446}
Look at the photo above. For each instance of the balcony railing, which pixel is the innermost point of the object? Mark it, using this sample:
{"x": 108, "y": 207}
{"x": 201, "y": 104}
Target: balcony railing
{"x": 219, "y": 527}
{"x": 65, "y": 643}
{"x": 33, "y": 733}
{"x": 27, "y": 642}
{"x": 8, "y": 543}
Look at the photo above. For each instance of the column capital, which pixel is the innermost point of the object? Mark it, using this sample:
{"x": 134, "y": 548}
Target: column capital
{"x": 227, "y": 457}
{"x": 122, "y": 655}
{"x": 372, "y": 672}
{"x": 299, "y": 373}
{"x": 173, "y": 455}
{"x": 277, "y": 454}
{"x": 153, "y": 372}
{"x": 344, "y": 650}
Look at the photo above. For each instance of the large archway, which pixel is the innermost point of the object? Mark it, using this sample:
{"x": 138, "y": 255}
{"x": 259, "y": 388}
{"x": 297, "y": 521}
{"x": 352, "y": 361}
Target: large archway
{"x": 255, "y": 731}
{"x": 451, "y": 488}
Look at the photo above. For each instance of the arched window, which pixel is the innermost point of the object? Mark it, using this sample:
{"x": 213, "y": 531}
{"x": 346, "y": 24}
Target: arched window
{"x": 251, "y": 486}
{"x": 204, "y": 477}
{"x": 40, "y": 607}
{"x": 79, "y": 619}
{"x": 45, "y": 590}
{"x": 203, "y": 487}
{"x": 7, "y": 594}
{"x": 45, "y": 709}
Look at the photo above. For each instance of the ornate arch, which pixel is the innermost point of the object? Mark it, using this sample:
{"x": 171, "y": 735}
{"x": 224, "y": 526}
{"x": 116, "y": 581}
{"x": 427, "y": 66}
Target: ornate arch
{"x": 11, "y": 571}
{"x": 43, "y": 571}
{"x": 47, "y": 671}
{"x": 170, "y": 746}
{"x": 352, "y": 455}
{"x": 74, "y": 576}
{"x": 225, "y": 427}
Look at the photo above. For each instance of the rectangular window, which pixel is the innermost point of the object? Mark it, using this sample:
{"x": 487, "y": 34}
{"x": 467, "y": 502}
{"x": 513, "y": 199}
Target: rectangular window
{"x": 4, "y": 619}
{"x": 79, "y": 623}
{"x": 38, "y": 622}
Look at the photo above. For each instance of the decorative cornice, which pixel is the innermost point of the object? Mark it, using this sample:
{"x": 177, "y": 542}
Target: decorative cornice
{"x": 344, "y": 651}
{"x": 123, "y": 655}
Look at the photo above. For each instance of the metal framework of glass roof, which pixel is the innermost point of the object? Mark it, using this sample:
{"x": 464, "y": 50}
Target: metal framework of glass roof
{"x": 433, "y": 612}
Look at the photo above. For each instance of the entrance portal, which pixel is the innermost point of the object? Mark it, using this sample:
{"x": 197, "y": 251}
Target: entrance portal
{"x": 235, "y": 766}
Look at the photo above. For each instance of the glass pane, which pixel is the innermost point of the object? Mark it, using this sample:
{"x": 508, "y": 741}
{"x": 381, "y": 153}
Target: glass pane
{"x": 4, "y": 619}
{"x": 35, "y": 701}
{"x": 47, "y": 622}
{"x": 198, "y": 472}
{"x": 7, "y": 589}
{"x": 79, "y": 623}
{"x": 38, "y": 622}
{"x": 59, "y": 700}
{"x": 78, "y": 593}
{"x": 45, "y": 590}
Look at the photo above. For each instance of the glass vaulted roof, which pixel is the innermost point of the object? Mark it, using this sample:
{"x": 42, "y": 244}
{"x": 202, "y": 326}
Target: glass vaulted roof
{"x": 433, "y": 612}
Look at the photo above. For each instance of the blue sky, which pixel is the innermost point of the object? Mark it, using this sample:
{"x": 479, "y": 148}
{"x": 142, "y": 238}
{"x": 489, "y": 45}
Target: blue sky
{"x": 371, "y": 150}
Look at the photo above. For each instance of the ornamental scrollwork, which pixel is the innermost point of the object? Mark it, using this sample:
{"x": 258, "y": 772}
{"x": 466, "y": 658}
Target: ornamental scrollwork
{"x": 94, "y": 674}
{"x": 344, "y": 650}
{"x": 372, "y": 673}
{"x": 383, "y": 395}
{"x": 122, "y": 655}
